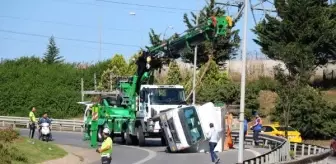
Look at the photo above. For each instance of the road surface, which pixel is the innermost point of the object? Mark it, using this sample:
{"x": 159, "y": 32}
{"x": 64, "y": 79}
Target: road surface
{"x": 152, "y": 154}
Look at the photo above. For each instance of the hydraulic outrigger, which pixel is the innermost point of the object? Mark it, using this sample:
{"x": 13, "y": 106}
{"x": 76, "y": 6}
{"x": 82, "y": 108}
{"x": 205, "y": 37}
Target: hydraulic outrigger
{"x": 120, "y": 112}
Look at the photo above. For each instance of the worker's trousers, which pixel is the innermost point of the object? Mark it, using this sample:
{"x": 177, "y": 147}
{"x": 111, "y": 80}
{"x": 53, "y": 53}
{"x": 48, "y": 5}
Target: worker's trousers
{"x": 256, "y": 137}
{"x": 32, "y": 127}
{"x": 106, "y": 160}
{"x": 213, "y": 155}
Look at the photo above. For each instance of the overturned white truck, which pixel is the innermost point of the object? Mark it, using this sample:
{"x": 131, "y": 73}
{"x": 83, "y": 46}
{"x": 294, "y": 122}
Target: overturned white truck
{"x": 185, "y": 127}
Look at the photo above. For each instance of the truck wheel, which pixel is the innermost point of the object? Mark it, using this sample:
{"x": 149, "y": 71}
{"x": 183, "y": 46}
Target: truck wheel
{"x": 100, "y": 134}
{"x": 88, "y": 130}
{"x": 168, "y": 149}
{"x": 112, "y": 135}
{"x": 128, "y": 138}
{"x": 140, "y": 135}
{"x": 123, "y": 140}
{"x": 163, "y": 141}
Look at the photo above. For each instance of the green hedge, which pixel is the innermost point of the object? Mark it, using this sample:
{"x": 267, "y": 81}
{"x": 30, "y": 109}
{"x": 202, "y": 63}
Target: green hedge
{"x": 52, "y": 88}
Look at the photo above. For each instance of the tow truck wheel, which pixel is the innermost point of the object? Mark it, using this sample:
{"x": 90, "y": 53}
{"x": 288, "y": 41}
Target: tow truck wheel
{"x": 100, "y": 134}
{"x": 123, "y": 140}
{"x": 112, "y": 135}
{"x": 140, "y": 135}
{"x": 128, "y": 138}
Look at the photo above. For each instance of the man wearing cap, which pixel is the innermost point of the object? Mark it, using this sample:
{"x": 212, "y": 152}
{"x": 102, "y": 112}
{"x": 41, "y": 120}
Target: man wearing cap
{"x": 106, "y": 148}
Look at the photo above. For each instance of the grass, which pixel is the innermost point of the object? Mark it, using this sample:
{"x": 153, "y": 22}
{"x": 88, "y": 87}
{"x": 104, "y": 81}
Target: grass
{"x": 37, "y": 152}
{"x": 330, "y": 95}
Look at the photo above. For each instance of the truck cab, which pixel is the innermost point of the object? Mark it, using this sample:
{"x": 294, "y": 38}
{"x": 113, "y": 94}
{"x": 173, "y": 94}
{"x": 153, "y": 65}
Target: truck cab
{"x": 182, "y": 128}
{"x": 152, "y": 100}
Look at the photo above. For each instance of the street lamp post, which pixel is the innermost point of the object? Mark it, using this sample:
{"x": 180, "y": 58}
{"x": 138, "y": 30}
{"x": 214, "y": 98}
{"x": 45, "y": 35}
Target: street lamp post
{"x": 194, "y": 69}
{"x": 242, "y": 88}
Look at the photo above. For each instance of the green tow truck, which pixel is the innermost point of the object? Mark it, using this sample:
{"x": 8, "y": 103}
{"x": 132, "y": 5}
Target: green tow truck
{"x": 129, "y": 111}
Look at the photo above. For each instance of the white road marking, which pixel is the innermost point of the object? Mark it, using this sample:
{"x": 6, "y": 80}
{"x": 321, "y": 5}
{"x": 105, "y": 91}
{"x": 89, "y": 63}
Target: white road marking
{"x": 151, "y": 154}
{"x": 254, "y": 152}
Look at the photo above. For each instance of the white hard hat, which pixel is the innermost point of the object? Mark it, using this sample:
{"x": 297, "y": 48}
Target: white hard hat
{"x": 106, "y": 131}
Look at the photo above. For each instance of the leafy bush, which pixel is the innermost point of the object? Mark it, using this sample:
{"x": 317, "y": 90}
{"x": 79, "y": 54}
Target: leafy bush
{"x": 314, "y": 117}
{"x": 53, "y": 88}
{"x": 10, "y": 154}
{"x": 8, "y": 135}
{"x": 7, "y": 151}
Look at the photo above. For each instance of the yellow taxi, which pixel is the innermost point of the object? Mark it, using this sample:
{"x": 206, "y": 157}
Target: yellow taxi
{"x": 276, "y": 130}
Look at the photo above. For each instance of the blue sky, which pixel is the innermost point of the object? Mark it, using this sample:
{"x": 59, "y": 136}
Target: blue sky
{"x": 28, "y": 24}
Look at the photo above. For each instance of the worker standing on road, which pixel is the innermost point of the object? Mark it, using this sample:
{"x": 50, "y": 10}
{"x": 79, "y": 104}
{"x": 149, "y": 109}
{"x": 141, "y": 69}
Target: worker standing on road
{"x": 32, "y": 122}
{"x": 213, "y": 139}
{"x": 245, "y": 127}
{"x": 106, "y": 149}
{"x": 256, "y": 130}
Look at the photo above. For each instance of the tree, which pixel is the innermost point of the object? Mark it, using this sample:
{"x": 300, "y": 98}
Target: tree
{"x": 303, "y": 107}
{"x": 224, "y": 48}
{"x": 304, "y": 37}
{"x": 174, "y": 75}
{"x": 52, "y": 54}
{"x": 117, "y": 68}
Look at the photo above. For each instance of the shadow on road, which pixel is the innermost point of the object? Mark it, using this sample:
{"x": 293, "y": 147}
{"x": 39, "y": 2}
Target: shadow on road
{"x": 150, "y": 142}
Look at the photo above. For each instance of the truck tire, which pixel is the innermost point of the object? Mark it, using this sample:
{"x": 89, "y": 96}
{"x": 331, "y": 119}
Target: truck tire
{"x": 140, "y": 136}
{"x": 128, "y": 138}
{"x": 123, "y": 140}
{"x": 100, "y": 137}
{"x": 112, "y": 135}
{"x": 163, "y": 141}
{"x": 168, "y": 150}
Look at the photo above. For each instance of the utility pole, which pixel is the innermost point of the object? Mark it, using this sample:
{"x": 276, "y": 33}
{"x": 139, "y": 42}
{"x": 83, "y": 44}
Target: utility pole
{"x": 100, "y": 38}
{"x": 242, "y": 88}
{"x": 111, "y": 81}
{"x": 82, "y": 89}
{"x": 95, "y": 81}
{"x": 195, "y": 65}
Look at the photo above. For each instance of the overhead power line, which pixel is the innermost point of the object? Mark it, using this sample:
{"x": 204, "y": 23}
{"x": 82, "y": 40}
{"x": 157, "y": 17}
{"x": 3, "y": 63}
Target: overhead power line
{"x": 159, "y": 8}
{"x": 145, "y": 5}
{"x": 66, "y": 24}
{"x": 70, "y": 39}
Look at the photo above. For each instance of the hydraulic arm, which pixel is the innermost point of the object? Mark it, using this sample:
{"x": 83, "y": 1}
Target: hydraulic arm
{"x": 170, "y": 49}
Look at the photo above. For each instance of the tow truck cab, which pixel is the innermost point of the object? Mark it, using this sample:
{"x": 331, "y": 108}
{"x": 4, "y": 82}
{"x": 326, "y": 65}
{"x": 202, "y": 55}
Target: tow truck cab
{"x": 153, "y": 99}
{"x": 182, "y": 128}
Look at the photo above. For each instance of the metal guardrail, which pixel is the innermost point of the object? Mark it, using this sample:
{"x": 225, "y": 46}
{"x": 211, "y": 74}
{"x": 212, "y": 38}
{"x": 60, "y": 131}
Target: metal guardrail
{"x": 284, "y": 152}
{"x": 56, "y": 124}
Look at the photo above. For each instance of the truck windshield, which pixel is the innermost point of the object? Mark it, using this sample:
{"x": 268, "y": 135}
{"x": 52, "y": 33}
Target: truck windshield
{"x": 191, "y": 125}
{"x": 167, "y": 96}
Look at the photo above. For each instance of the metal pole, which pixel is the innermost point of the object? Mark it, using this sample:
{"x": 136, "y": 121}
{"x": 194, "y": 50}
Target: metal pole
{"x": 111, "y": 81}
{"x": 82, "y": 89}
{"x": 100, "y": 37}
{"x": 242, "y": 89}
{"x": 95, "y": 81}
{"x": 195, "y": 62}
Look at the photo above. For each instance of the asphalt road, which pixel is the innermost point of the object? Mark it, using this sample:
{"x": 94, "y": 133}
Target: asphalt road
{"x": 151, "y": 154}
{"x": 332, "y": 160}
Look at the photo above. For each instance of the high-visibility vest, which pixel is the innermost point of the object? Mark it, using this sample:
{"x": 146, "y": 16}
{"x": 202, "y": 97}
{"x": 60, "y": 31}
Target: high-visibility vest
{"x": 95, "y": 112}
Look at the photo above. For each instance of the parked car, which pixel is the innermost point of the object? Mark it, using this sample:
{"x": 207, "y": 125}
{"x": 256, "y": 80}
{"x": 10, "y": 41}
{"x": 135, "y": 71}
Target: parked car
{"x": 277, "y": 130}
{"x": 333, "y": 145}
